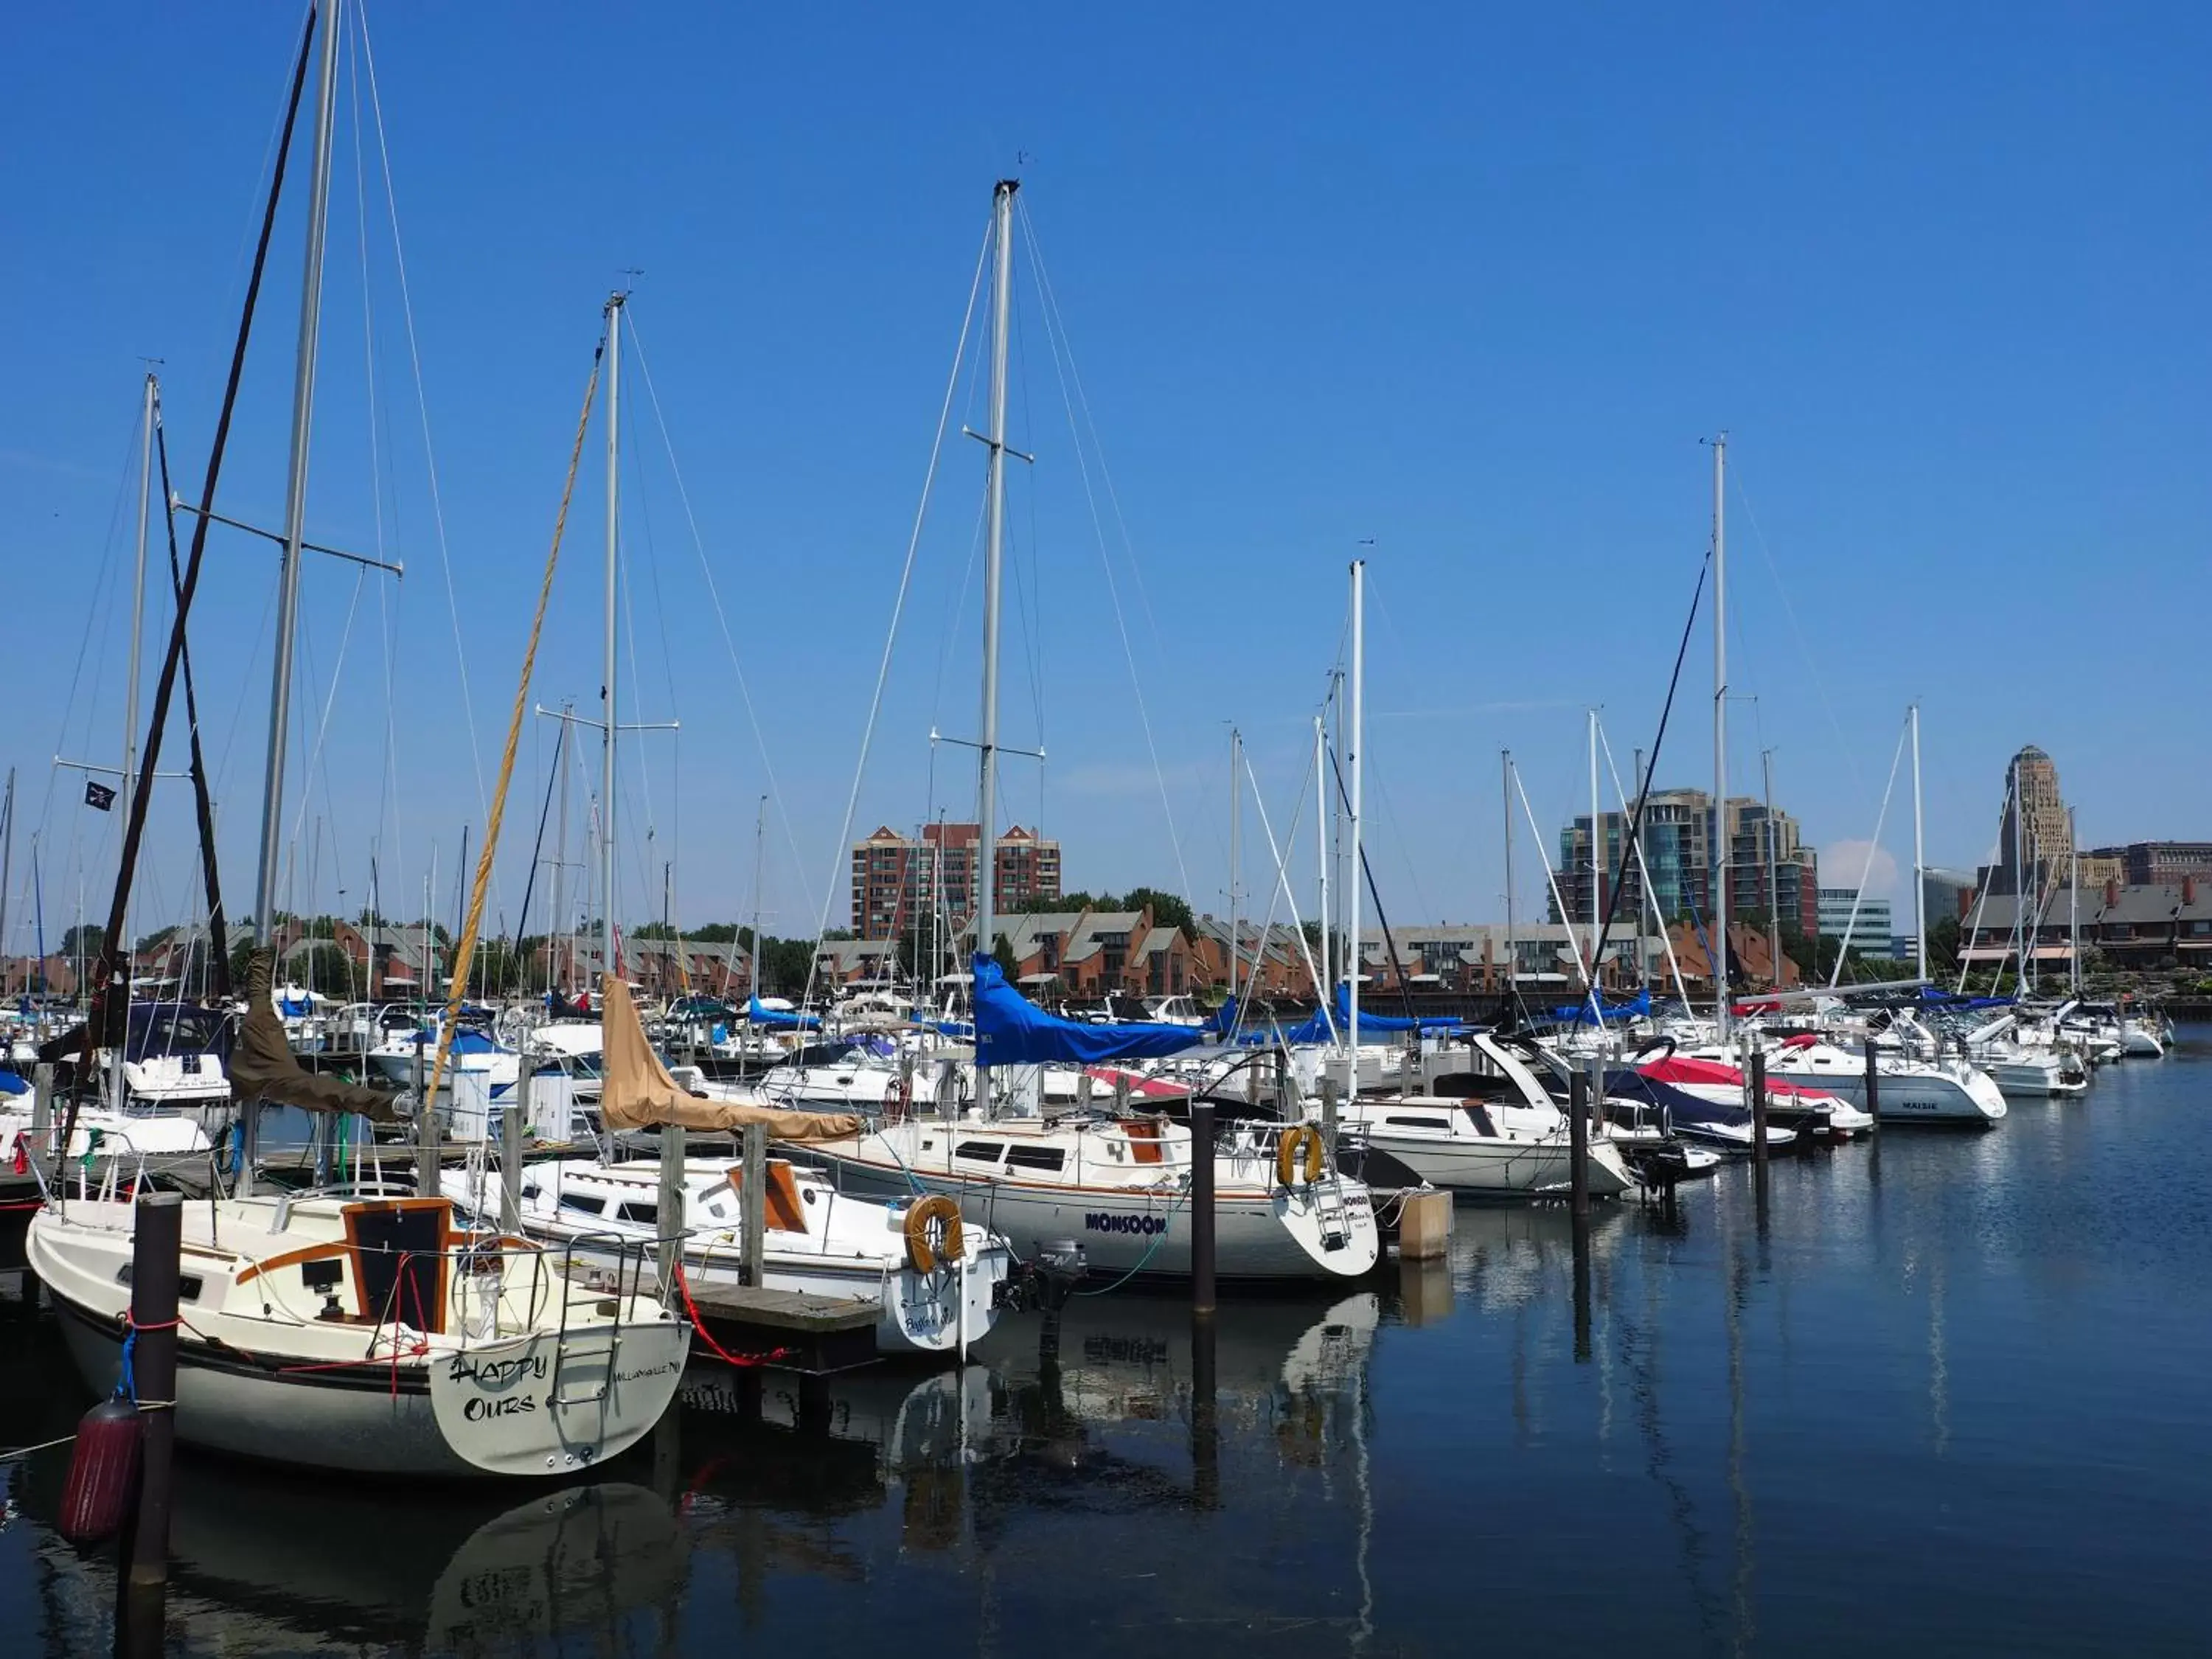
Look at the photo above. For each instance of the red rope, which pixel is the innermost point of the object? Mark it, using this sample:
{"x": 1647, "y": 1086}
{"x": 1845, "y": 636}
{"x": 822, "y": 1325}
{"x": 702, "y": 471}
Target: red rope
{"x": 707, "y": 1336}
{"x": 25, "y": 1204}
{"x": 130, "y": 1322}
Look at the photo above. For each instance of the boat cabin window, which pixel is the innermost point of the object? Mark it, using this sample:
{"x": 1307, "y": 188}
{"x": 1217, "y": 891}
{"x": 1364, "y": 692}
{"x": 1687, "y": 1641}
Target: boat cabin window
{"x": 583, "y": 1204}
{"x": 1418, "y": 1122}
{"x": 634, "y": 1211}
{"x": 1035, "y": 1157}
{"x": 981, "y": 1151}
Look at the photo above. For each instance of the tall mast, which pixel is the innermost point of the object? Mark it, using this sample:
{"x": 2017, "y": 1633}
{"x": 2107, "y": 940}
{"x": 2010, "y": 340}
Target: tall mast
{"x": 986, "y": 782}
{"x": 295, "y": 488}
{"x": 1357, "y": 742}
{"x": 131, "y": 693}
{"x": 607, "y": 668}
{"x": 1505, "y": 790}
{"x": 2073, "y": 907}
{"x": 1320, "y": 841}
{"x": 1596, "y": 864}
{"x": 1720, "y": 832}
{"x": 1919, "y": 870}
{"x": 1236, "y": 796}
{"x": 760, "y": 854}
{"x": 1773, "y": 875}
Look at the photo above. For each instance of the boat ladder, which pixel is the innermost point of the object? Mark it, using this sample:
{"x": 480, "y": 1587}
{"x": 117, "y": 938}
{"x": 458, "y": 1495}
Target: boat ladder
{"x": 597, "y": 1385}
{"x": 1329, "y": 1205}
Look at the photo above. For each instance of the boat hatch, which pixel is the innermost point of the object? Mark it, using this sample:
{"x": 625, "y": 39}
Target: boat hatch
{"x": 1401, "y": 1122}
{"x": 636, "y": 1211}
{"x": 588, "y": 1204}
{"x": 979, "y": 1151}
{"x": 1047, "y": 1158}
{"x": 188, "y": 1286}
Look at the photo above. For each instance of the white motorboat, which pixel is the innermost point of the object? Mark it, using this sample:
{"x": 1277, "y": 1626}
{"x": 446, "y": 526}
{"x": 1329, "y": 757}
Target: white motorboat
{"x": 364, "y": 1334}
{"x": 818, "y": 1241}
{"x": 1500, "y": 1147}
{"x": 1908, "y": 1090}
{"x": 2143, "y": 1038}
{"x": 1120, "y": 1190}
{"x": 2035, "y": 1070}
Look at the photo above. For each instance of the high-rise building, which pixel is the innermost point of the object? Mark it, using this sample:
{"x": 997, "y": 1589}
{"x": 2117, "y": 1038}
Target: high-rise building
{"x": 2035, "y": 842}
{"x": 899, "y": 881}
{"x": 1866, "y": 919}
{"x": 1677, "y": 838}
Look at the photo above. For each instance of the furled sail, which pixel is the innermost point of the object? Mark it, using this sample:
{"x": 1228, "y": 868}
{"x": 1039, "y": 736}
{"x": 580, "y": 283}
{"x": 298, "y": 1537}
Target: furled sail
{"x": 263, "y": 1067}
{"x": 636, "y": 1092}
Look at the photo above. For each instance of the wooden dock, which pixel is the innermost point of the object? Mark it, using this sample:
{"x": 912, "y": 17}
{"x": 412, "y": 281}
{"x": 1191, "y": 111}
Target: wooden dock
{"x": 803, "y": 1332}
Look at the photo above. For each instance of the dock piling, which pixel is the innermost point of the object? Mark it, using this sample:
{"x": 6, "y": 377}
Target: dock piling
{"x": 752, "y": 1204}
{"x": 1755, "y": 1086}
{"x": 668, "y": 1211}
{"x": 512, "y": 1121}
{"x": 1202, "y": 1302}
{"x": 42, "y": 1107}
{"x": 1873, "y": 1088}
{"x": 426, "y": 1133}
{"x": 156, "y": 1255}
{"x": 1578, "y": 1145}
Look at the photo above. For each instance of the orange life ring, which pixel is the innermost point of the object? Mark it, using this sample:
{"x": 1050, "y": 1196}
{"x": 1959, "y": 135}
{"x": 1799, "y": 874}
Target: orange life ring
{"x": 921, "y": 1254}
{"x": 1300, "y": 1137}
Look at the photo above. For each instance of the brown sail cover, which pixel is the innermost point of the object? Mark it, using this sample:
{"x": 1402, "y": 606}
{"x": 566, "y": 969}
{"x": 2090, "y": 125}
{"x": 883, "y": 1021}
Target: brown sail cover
{"x": 636, "y": 1092}
{"x": 262, "y": 1067}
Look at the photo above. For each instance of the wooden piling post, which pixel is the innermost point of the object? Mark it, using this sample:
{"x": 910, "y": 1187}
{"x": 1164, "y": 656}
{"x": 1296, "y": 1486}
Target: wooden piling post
{"x": 157, "y": 1253}
{"x": 1873, "y": 1088}
{"x": 752, "y": 1202}
{"x": 1578, "y": 1143}
{"x": 1201, "y": 1210}
{"x": 426, "y": 1132}
{"x": 1755, "y": 1082}
{"x": 512, "y": 1119}
{"x": 668, "y": 1212}
{"x": 42, "y": 1108}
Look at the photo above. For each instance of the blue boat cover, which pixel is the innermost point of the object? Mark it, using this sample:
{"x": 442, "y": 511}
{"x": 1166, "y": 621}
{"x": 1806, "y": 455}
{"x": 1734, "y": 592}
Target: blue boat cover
{"x": 1010, "y": 1031}
{"x": 1635, "y": 1008}
{"x": 292, "y": 1009}
{"x": 1383, "y": 1025}
{"x": 12, "y": 1084}
{"x": 780, "y": 1020}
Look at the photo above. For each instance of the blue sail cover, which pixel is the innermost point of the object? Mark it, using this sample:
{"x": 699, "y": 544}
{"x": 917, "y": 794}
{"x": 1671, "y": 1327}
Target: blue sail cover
{"x": 1636, "y": 1008}
{"x": 782, "y": 1019}
{"x": 1010, "y": 1031}
{"x": 1383, "y": 1025}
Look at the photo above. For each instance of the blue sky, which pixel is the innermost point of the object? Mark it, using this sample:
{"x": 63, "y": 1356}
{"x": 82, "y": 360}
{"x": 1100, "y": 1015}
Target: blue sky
{"x": 1473, "y": 282}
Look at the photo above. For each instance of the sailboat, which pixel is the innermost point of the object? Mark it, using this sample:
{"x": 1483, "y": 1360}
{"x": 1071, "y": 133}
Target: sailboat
{"x": 1118, "y": 1189}
{"x": 335, "y": 1331}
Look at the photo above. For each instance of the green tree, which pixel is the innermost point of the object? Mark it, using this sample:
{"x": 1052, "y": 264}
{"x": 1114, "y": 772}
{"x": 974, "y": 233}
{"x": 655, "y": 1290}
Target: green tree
{"x": 86, "y": 939}
{"x": 1003, "y": 954}
{"x": 1169, "y": 910}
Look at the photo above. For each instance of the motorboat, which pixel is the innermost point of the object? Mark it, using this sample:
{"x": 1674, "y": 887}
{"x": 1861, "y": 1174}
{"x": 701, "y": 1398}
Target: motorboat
{"x": 1512, "y": 1141}
{"x": 1791, "y": 1103}
{"x": 366, "y": 1334}
{"x": 1909, "y": 1090}
{"x": 2035, "y": 1070}
{"x": 173, "y": 1064}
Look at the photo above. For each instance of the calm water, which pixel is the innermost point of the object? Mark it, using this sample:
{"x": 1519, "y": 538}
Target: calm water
{"x": 1949, "y": 1399}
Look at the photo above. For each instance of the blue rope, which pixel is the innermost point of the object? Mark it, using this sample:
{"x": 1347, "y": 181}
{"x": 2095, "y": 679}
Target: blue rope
{"x": 126, "y": 1385}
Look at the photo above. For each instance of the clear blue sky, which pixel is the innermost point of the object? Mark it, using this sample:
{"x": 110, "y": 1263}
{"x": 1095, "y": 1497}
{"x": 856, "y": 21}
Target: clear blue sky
{"x": 1471, "y": 281}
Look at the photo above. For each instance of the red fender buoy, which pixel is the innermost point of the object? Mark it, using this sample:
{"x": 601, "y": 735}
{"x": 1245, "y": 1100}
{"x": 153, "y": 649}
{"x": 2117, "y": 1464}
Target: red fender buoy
{"x": 103, "y": 1475}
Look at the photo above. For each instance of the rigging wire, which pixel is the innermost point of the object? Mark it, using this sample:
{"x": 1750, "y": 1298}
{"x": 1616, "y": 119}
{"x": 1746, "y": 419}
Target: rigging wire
{"x": 714, "y": 594}
{"x": 1071, "y": 393}
{"x": 898, "y": 609}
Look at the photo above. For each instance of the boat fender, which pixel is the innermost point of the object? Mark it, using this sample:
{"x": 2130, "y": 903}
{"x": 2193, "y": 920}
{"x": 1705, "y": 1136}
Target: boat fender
{"x": 103, "y": 1472}
{"x": 1299, "y": 1139}
{"x": 942, "y": 1212}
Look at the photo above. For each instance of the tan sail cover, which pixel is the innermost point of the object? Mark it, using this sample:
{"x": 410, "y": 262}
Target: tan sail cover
{"x": 636, "y": 1092}
{"x": 262, "y": 1067}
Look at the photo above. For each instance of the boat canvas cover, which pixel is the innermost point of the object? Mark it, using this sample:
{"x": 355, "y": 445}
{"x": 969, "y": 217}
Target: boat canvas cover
{"x": 779, "y": 1019}
{"x": 262, "y": 1067}
{"x": 1010, "y": 1031}
{"x": 636, "y": 1092}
